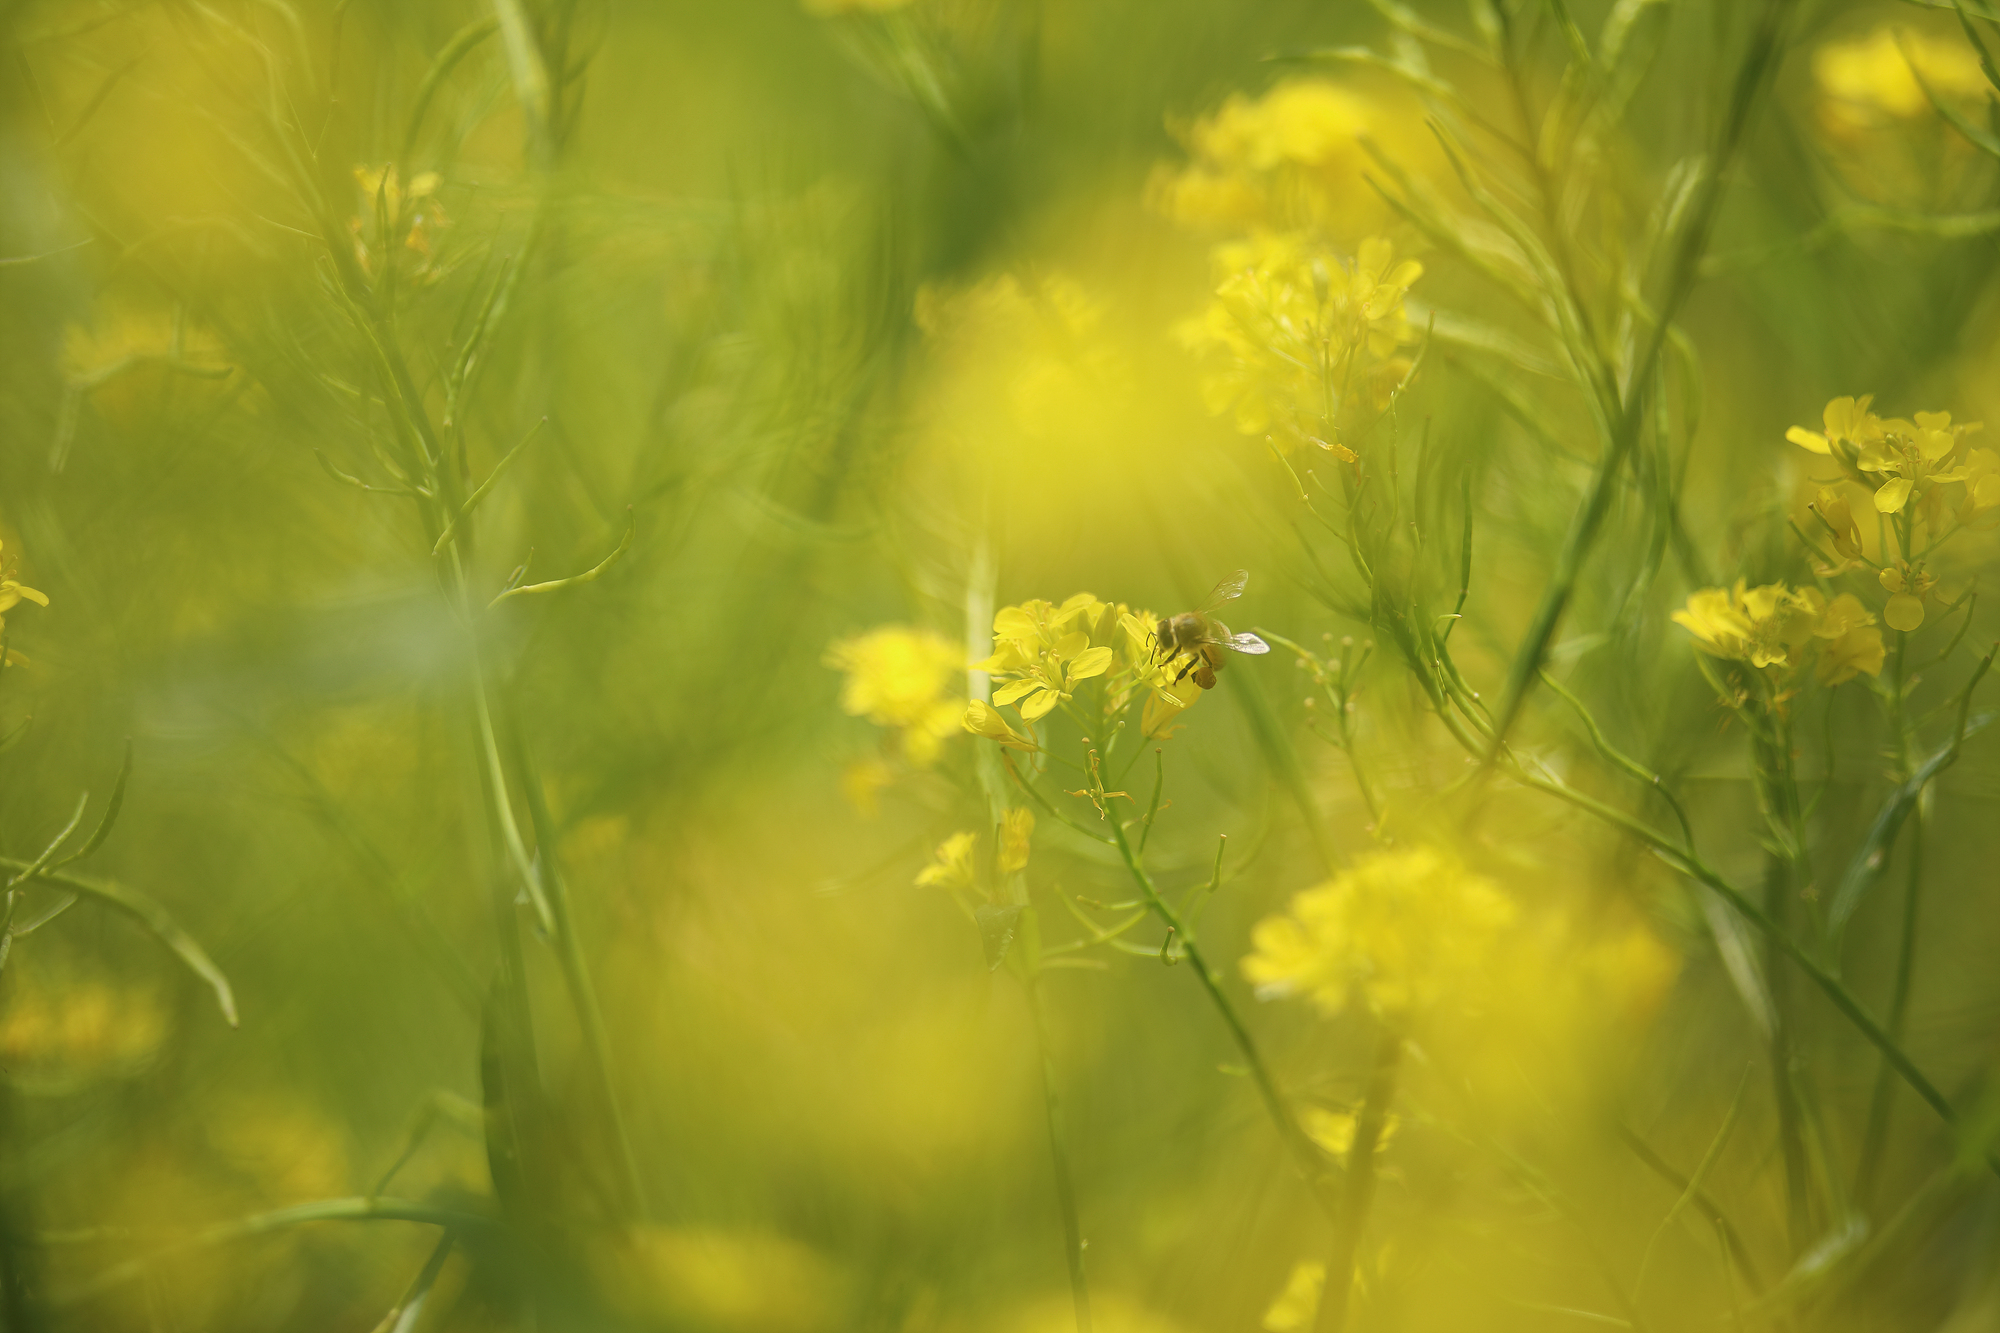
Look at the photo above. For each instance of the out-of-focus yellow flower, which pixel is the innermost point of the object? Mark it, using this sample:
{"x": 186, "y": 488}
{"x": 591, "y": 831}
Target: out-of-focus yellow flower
{"x": 1909, "y": 587}
{"x": 1334, "y": 1130}
{"x": 953, "y": 865}
{"x": 383, "y": 197}
{"x": 1836, "y": 516}
{"x": 71, "y": 1030}
{"x": 1298, "y": 332}
{"x": 862, "y": 781}
{"x": 1850, "y": 643}
{"x": 726, "y": 1281}
{"x": 1772, "y": 626}
{"x": 1299, "y": 1301}
{"x": 900, "y": 677}
{"x": 1017, "y": 828}
{"x": 1039, "y": 344}
{"x": 1405, "y": 930}
{"x": 1981, "y": 506}
{"x": 1292, "y": 158}
{"x": 1759, "y": 625}
{"x": 1867, "y": 83}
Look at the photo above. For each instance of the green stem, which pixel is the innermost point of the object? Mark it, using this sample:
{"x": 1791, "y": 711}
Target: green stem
{"x": 1073, "y": 1242}
{"x": 1358, "y": 1194}
{"x": 1305, "y": 1154}
{"x": 1875, "y": 1138}
{"x": 1751, "y": 79}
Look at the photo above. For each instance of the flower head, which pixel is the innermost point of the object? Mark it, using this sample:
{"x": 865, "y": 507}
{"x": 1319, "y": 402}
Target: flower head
{"x": 1899, "y": 460}
{"x": 1294, "y": 157}
{"x": 1403, "y": 930}
{"x": 899, "y": 677}
{"x": 1773, "y": 626}
{"x": 1294, "y": 329}
{"x": 1046, "y": 650}
{"x": 1873, "y": 81}
{"x": 952, "y": 865}
{"x": 1909, "y": 588}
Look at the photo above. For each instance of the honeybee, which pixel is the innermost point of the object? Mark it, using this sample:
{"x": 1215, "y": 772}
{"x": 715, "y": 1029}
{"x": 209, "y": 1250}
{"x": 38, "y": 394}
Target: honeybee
{"x": 1202, "y": 637}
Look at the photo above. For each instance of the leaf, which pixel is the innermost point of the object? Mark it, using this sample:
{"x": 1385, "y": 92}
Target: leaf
{"x": 557, "y": 585}
{"x": 149, "y": 914}
{"x": 997, "y": 926}
{"x": 1873, "y": 855}
{"x": 110, "y": 815}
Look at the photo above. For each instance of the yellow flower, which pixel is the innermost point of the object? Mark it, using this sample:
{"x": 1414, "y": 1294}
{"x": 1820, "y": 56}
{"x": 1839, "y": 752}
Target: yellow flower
{"x": 1334, "y": 1130}
{"x": 1017, "y": 827}
{"x": 983, "y": 719}
{"x": 952, "y": 865}
{"x": 1853, "y": 646}
{"x": 1848, "y": 422}
{"x": 862, "y": 782}
{"x": 382, "y": 195}
{"x": 1037, "y": 645}
{"x": 1293, "y": 157}
{"x": 1760, "y": 625}
{"x": 1913, "y": 454}
{"x": 900, "y": 677}
{"x": 1867, "y": 83}
{"x": 1405, "y": 930}
{"x": 1981, "y": 506}
{"x": 1299, "y": 1301}
{"x": 1910, "y": 587}
{"x": 1772, "y": 626}
{"x": 12, "y": 594}
{"x": 1294, "y": 327}
{"x": 1837, "y": 517}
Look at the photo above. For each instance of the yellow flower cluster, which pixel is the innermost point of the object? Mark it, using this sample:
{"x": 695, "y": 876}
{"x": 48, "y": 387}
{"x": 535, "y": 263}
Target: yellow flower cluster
{"x": 1869, "y": 83}
{"x": 1299, "y": 332}
{"x": 1905, "y": 462}
{"x": 955, "y": 865}
{"x": 1291, "y": 158}
{"x": 902, "y": 678}
{"x": 1404, "y": 930}
{"x": 1042, "y": 654}
{"x": 1774, "y": 626}
{"x": 383, "y": 197}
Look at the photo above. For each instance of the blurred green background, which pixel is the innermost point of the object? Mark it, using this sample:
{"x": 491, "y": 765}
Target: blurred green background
{"x": 738, "y": 211}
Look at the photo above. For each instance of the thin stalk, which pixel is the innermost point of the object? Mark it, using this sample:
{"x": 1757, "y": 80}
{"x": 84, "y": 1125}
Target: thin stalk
{"x": 576, "y": 977}
{"x": 1875, "y": 1138}
{"x": 1751, "y": 79}
{"x": 1358, "y": 1194}
{"x": 1691, "y": 865}
{"x": 1305, "y": 1154}
{"x": 1073, "y": 1242}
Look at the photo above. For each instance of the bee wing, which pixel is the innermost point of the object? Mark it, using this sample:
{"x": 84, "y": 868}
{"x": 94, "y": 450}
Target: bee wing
{"x": 1226, "y": 591}
{"x": 1246, "y": 643}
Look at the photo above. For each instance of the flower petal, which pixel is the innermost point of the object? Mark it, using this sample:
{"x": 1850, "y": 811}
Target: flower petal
{"x": 1810, "y": 439}
{"x": 1095, "y": 662}
{"x": 1893, "y": 496}
{"x": 1903, "y": 612}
